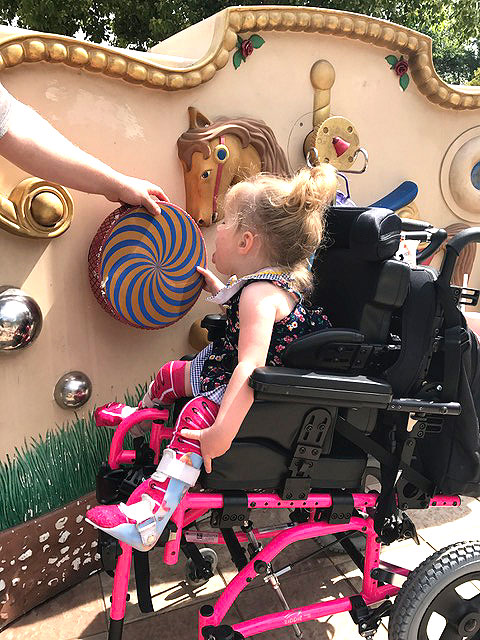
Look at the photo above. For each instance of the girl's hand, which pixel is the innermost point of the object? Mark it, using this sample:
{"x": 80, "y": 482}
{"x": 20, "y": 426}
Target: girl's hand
{"x": 210, "y": 442}
{"x": 212, "y": 284}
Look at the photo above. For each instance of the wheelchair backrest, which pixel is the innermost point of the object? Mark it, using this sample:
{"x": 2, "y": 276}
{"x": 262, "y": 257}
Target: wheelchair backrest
{"x": 357, "y": 281}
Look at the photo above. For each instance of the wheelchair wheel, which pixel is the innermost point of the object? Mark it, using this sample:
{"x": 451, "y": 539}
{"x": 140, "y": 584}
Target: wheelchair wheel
{"x": 440, "y": 600}
{"x": 190, "y": 573}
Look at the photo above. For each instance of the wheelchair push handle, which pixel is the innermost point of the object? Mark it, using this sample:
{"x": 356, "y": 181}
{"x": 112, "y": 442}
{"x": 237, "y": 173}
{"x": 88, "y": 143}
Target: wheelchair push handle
{"x": 415, "y": 225}
{"x": 437, "y": 238}
{"x": 425, "y": 232}
{"x": 454, "y": 248}
{"x": 463, "y": 238}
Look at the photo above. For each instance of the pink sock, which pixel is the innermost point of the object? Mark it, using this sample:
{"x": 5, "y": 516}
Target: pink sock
{"x": 168, "y": 385}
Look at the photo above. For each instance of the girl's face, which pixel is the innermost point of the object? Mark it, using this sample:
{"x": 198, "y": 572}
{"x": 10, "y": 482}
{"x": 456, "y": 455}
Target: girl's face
{"x": 227, "y": 239}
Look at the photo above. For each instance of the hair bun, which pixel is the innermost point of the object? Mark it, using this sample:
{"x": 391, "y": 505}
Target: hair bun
{"x": 312, "y": 189}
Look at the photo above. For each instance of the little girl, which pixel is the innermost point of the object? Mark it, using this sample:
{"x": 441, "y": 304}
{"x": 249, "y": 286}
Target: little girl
{"x": 270, "y": 229}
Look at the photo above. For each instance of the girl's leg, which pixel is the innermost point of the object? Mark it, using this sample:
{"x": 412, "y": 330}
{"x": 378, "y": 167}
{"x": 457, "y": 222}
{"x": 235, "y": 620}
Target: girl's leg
{"x": 170, "y": 383}
{"x": 141, "y": 523}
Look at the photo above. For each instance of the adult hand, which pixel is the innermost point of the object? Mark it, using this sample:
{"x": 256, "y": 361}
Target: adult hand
{"x": 134, "y": 191}
{"x": 211, "y": 443}
{"x": 212, "y": 284}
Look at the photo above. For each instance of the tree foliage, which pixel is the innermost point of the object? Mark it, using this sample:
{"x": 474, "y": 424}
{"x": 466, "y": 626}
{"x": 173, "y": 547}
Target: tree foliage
{"x": 139, "y": 24}
{"x": 475, "y": 81}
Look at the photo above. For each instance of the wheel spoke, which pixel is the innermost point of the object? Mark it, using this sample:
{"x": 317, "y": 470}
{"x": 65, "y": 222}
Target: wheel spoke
{"x": 450, "y": 605}
{"x": 450, "y": 633}
{"x": 474, "y": 604}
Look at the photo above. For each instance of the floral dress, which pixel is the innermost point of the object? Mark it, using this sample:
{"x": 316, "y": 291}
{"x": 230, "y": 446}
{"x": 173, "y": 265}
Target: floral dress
{"x": 212, "y": 368}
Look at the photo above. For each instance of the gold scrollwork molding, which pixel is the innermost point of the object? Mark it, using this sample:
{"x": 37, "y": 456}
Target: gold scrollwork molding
{"x": 409, "y": 211}
{"x": 415, "y": 46}
{"x": 36, "y": 209}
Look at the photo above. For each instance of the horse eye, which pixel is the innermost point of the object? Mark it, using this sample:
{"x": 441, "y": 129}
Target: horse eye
{"x": 205, "y": 174}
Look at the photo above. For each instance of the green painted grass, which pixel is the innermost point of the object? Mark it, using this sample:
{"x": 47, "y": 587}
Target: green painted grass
{"x": 52, "y": 470}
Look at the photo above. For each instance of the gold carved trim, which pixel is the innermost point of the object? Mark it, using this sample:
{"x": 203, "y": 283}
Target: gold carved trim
{"x": 36, "y": 209}
{"x": 415, "y": 46}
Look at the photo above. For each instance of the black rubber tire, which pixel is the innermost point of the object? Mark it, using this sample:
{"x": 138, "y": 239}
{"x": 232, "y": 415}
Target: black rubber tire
{"x": 426, "y": 582}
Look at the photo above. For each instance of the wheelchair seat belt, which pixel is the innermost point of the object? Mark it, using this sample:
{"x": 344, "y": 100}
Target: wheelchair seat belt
{"x": 141, "y": 567}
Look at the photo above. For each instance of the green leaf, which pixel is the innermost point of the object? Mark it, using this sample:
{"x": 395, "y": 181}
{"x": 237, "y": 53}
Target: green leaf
{"x": 257, "y": 41}
{"x": 404, "y": 81}
{"x": 239, "y": 41}
{"x": 392, "y": 61}
{"x": 237, "y": 58}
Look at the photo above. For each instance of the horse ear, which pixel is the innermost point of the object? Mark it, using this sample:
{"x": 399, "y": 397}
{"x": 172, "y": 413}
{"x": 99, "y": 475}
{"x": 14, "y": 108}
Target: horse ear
{"x": 197, "y": 119}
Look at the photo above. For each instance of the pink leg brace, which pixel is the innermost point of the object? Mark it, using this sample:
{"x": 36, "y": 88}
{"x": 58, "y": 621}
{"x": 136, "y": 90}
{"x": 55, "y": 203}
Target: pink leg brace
{"x": 142, "y": 522}
{"x": 167, "y": 386}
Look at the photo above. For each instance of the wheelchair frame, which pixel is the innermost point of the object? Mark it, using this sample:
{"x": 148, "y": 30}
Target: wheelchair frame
{"x": 328, "y": 513}
{"x": 377, "y": 575}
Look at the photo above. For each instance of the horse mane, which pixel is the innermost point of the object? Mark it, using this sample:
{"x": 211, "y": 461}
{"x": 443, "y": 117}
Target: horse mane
{"x": 249, "y": 131}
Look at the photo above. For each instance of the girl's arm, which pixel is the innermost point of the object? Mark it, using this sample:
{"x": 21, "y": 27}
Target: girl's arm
{"x": 258, "y": 306}
{"x": 35, "y": 146}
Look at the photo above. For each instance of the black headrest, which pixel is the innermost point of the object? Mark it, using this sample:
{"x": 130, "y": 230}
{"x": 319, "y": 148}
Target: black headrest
{"x": 372, "y": 233}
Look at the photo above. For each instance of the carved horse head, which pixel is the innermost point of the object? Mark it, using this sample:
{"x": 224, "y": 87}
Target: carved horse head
{"x": 216, "y": 155}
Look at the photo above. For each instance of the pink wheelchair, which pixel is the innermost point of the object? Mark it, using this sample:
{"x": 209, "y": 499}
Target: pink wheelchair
{"x": 399, "y": 386}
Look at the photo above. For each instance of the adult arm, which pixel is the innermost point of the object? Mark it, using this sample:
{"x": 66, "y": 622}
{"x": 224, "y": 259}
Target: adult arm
{"x": 257, "y": 310}
{"x": 32, "y": 144}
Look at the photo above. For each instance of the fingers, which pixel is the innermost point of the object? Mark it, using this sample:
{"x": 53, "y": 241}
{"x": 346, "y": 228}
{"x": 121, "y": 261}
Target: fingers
{"x": 159, "y": 193}
{"x": 206, "y": 273}
{"x": 206, "y": 277}
{"x": 151, "y": 206}
{"x": 192, "y": 434}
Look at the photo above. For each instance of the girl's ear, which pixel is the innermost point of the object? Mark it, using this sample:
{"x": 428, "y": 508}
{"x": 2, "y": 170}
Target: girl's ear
{"x": 246, "y": 242}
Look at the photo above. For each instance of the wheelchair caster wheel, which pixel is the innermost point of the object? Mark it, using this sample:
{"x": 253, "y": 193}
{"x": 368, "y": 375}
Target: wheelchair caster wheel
{"x": 191, "y": 574}
{"x": 439, "y": 600}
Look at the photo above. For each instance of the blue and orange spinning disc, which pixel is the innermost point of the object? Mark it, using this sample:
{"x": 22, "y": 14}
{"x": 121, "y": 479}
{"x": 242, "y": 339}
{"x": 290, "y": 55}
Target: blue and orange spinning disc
{"x": 143, "y": 269}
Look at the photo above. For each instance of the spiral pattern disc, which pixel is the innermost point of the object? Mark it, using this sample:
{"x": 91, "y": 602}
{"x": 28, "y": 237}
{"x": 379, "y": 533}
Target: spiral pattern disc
{"x": 143, "y": 270}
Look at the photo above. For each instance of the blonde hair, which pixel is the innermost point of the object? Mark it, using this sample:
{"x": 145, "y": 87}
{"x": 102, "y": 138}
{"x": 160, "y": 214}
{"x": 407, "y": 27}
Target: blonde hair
{"x": 288, "y": 214}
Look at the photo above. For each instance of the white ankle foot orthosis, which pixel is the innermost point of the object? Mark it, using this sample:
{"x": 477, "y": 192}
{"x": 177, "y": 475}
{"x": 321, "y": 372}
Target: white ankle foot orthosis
{"x": 149, "y": 525}
{"x": 147, "y": 518}
{"x": 175, "y": 468}
{"x": 182, "y": 476}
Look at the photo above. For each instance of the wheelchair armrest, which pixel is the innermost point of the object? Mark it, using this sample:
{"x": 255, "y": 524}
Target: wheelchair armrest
{"x": 215, "y": 324}
{"x": 326, "y": 349}
{"x": 277, "y": 384}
